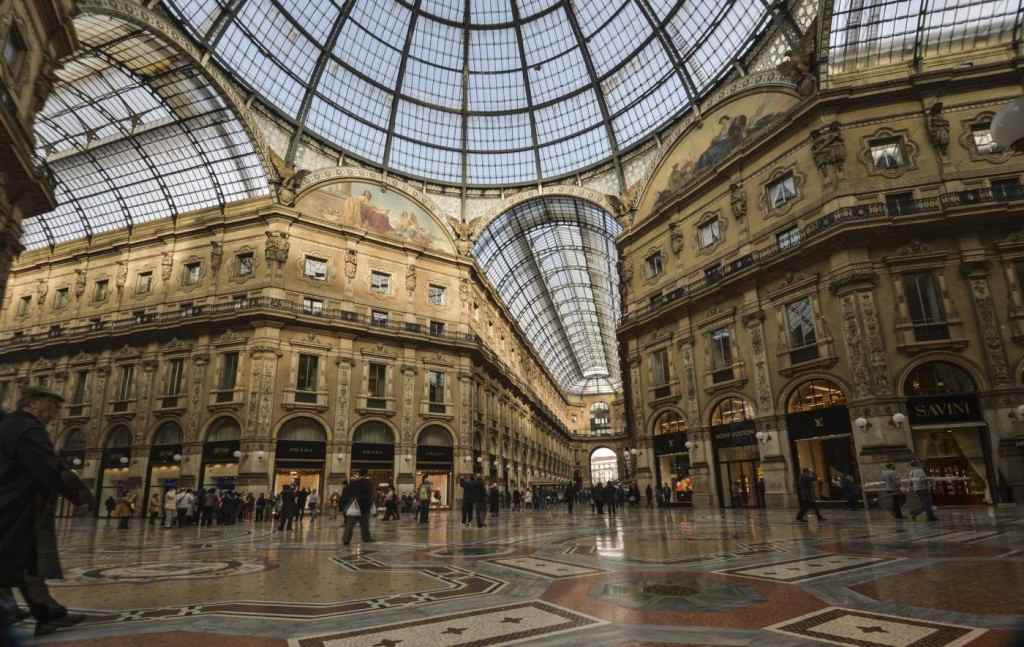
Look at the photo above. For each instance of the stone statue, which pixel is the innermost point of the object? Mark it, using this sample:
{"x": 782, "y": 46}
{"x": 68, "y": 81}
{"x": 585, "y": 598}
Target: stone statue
{"x": 738, "y": 200}
{"x": 351, "y": 264}
{"x": 676, "y": 237}
{"x": 276, "y": 247}
{"x": 216, "y": 255}
{"x": 79, "y": 283}
{"x": 799, "y": 64}
{"x": 122, "y": 275}
{"x": 938, "y": 128}
{"x": 166, "y": 265}
{"x": 410, "y": 279}
{"x": 465, "y": 233}
{"x": 291, "y": 180}
{"x": 829, "y": 151}
{"x": 42, "y": 287}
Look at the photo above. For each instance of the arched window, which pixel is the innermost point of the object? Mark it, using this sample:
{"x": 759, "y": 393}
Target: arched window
{"x": 435, "y": 436}
{"x": 600, "y": 419}
{"x": 731, "y": 410}
{"x": 815, "y": 394}
{"x": 938, "y": 378}
{"x": 74, "y": 441}
{"x": 303, "y": 429}
{"x": 119, "y": 437}
{"x": 169, "y": 433}
{"x": 669, "y": 422}
{"x": 224, "y": 429}
{"x": 373, "y": 432}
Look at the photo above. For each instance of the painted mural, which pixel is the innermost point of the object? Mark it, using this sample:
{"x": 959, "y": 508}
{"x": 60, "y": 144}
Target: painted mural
{"x": 386, "y": 213}
{"x": 701, "y": 150}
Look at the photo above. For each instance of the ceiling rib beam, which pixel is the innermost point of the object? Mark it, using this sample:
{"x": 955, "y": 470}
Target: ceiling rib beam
{"x": 399, "y": 80}
{"x": 526, "y": 86}
{"x": 673, "y": 54}
{"x": 216, "y": 31}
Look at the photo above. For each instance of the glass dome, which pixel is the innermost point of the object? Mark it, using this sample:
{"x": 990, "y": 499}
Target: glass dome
{"x": 477, "y": 92}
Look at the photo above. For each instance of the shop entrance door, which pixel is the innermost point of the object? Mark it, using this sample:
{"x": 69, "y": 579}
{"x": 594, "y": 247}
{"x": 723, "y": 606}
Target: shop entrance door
{"x": 739, "y": 483}
{"x": 304, "y": 478}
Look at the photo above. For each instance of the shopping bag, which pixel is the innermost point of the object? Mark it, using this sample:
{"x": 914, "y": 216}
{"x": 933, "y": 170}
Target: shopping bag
{"x": 353, "y": 510}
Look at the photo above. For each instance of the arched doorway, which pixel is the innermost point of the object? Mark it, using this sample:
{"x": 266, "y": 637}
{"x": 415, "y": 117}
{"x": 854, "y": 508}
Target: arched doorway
{"x": 435, "y": 459}
{"x": 114, "y": 471}
{"x": 300, "y": 455}
{"x": 221, "y": 453}
{"x": 949, "y": 433}
{"x": 164, "y": 460}
{"x": 604, "y": 466}
{"x": 740, "y": 481}
{"x": 373, "y": 450}
{"x": 672, "y": 459}
{"x": 821, "y": 438}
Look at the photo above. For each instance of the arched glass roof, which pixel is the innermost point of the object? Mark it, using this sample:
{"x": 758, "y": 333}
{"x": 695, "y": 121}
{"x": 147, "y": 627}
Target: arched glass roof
{"x": 133, "y": 132}
{"x": 553, "y": 262}
{"x": 477, "y": 92}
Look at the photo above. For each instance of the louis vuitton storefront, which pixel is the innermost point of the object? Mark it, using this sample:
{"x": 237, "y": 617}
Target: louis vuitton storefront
{"x": 821, "y": 437}
{"x": 672, "y": 458}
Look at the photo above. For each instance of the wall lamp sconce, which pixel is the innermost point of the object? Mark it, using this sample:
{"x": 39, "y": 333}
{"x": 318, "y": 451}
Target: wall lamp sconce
{"x": 341, "y": 456}
{"x": 1018, "y": 413}
{"x": 763, "y": 437}
{"x": 898, "y": 420}
{"x": 124, "y": 460}
{"x": 259, "y": 455}
{"x": 76, "y": 462}
{"x": 177, "y": 458}
{"x": 237, "y": 454}
{"x": 861, "y": 424}
{"x": 691, "y": 445}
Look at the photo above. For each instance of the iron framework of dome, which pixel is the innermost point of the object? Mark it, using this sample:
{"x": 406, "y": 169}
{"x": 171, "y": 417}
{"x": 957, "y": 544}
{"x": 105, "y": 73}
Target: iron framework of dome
{"x": 477, "y": 92}
{"x": 553, "y": 262}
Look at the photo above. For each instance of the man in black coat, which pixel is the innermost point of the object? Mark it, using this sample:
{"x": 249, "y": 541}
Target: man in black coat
{"x": 289, "y": 508}
{"x": 31, "y": 478}
{"x": 479, "y": 499}
{"x": 360, "y": 492}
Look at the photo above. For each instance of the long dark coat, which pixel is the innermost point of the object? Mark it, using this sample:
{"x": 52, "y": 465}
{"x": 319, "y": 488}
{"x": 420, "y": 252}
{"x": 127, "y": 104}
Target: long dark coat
{"x": 31, "y": 478}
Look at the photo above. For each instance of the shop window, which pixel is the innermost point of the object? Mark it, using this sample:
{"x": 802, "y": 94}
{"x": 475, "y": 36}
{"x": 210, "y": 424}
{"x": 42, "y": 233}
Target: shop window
{"x": 192, "y": 272}
{"x": 435, "y": 385}
{"x": 654, "y": 265}
{"x": 245, "y": 264}
{"x": 228, "y": 377}
{"x": 924, "y": 302}
{"x": 380, "y": 283}
{"x": 306, "y": 380}
{"x": 600, "y": 420}
{"x": 981, "y": 137}
{"x": 731, "y": 410}
{"x": 887, "y": 153}
{"x": 60, "y": 298}
{"x": 781, "y": 191}
{"x": 379, "y": 318}
{"x": 312, "y": 306}
{"x": 815, "y": 394}
{"x": 437, "y": 328}
{"x": 144, "y": 283}
{"x": 803, "y": 345}
{"x": 721, "y": 356}
{"x": 709, "y": 233}
{"x": 437, "y": 295}
{"x": 938, "y": 378}
{"x": 24, "y": 305}
{"x": 669, "y": 423}
{"x": 660, "y": 373}
{"x": 788, "y": 238}
{"x": 377, "y": 386}
{"x": 315, "y": 268}
{"x": 101, "y": 290}
{"x": 1007, "y": 189}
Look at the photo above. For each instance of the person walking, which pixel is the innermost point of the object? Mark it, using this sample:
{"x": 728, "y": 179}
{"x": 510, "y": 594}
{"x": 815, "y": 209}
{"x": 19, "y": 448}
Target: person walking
{"x": 528, "y": 498}
{"x": 570, "y": 497}
{"x": 649, "y": 495}
{"x": 467, "y": 500}
{"x": 333, "y": 503}
{"x": 611, "y": 498}
{"x": 313, "y": 503}
{"x": 261, "y": 506}
{"x": 893, "y": 490}
{"x": 517, "y": 500}
{"x": 493, "y": 499}
{"x": 170, "y": 506}
{"x": 110, "y": 504}
{"x": 208, "y": 507}
{"x": 921, "y": 485}
{"x": 391, "y": 505}
{"x": 301, "y": 497}
{"x": 357, "y": 506}
{"x": 479, "y": 500}
{"x": 597, "y": 496}
{"x": 849, "y": 488}
{"x": 806, "y": 493}
{"x": 425, "y": 493}
{"x": 156, "y": 506}
{"x": 31, "y": 478}
{"x": 125, "y": 508}
{"x": 289, "y": 508}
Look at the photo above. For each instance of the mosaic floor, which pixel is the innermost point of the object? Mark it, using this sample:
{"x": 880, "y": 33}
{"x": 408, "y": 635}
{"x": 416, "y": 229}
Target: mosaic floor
{"x": 643, "y": 579}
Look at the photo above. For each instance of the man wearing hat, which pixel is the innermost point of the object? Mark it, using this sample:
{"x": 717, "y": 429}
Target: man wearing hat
{"x": 31, "y": 478}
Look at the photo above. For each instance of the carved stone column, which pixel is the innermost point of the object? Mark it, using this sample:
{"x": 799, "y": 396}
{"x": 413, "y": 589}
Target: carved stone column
{"x": 692, "y": 404}
{"x": 10, "y": 239}
{"x": 144, "y": 402}
{"x": 406, "y": 450}
{"x": 197, "y": 396}
{"x": 976, "y": 274}
{"x": 264, "y": 359}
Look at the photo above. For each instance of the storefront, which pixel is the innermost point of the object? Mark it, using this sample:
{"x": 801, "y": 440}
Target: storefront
{"x": 373, "y": 450}
{"x": 672, "y": 458}
{"x": 72, "y": 452}
{"x": 221, "y": 453}
{"x": 114, "y": 476}
{"x": 740, "y": 478}
{"x": 949, "y": 433}
{"x": 300, "y": 455}
{"x": 435, "y": 459}
{"x": 821, "y": 438}
{"x": 164, "y": 460}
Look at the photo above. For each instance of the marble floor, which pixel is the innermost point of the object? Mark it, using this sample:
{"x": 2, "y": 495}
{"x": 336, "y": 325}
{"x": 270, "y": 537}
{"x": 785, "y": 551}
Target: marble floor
{"x": 642, "y": 578}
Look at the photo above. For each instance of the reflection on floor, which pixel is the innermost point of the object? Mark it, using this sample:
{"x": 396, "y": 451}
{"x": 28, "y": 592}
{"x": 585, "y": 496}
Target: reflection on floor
{"x": 643, "y": 578}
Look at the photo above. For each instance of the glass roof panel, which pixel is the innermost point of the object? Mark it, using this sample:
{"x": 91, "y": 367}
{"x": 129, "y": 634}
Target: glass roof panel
{"x": 552, "y": 261}
{"x": 564, "y": 61}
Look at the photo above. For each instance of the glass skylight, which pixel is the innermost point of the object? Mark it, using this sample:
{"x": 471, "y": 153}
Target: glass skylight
{"x": 481, "y": 92}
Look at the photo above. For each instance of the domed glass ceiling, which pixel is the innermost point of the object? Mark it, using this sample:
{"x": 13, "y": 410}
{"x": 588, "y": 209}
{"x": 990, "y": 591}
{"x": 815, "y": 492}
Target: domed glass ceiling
{"x": 477, "y": 92}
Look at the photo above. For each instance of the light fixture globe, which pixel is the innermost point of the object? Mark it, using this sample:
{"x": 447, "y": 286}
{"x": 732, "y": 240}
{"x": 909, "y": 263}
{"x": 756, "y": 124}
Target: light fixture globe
{"x": 123, "y": 460}
{"x": 76, "y": 462}
{"x": 690, "y": 444}
{"x": 177, "y": 458}
{"x": 237, "y": 454}
{"x": 761, "y": 436}
{"x": 898, "y": 419}
{"x": 1020, "y": 411}
{"x": 1007, "y": 126}
{"x": 861, "y": 423}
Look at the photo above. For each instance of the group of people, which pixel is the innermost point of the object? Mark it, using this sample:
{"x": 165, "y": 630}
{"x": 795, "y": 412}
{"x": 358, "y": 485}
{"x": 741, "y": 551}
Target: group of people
{"x": 919, "y": 484}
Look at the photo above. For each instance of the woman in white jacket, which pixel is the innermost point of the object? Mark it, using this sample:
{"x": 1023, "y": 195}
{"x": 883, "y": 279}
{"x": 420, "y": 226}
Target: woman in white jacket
{"x": 170, "y": 507}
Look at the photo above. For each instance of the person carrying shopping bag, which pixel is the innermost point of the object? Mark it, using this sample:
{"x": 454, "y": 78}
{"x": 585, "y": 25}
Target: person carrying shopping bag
{"x": 357, "y": 506}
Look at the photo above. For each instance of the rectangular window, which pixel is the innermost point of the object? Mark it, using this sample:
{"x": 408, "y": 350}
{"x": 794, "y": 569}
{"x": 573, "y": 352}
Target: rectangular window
{"x": 887, "y": 153}
{"x": 981, "y": 135}
{"x": 305, "y": 384}
{"x": 436, "y": 295}
{"x": 803, "y": 345}
{"x": 654, "y": 265}
{"x": 435, "y": 382}
{"x": 709, "y": 233}
{"x": 228, "y": 372}
{"x": 188, "y": 309}
{"x": 81, "y": 389}
{"x": 139, "y": 316}
{"x": 312, "y": 306}
{"x": 1007, "y": 189}
{"x": 782, "y": 191}
{"x": 192, "y": 271}
{"x": 377, "y": 386}
{"x": 713, "y": 273}
{"x": 126, "y": 382}
{"x": 102, "y": 287}
{"x": 437, "y": 328}
{"x": 60, "y": 298}
{"x": 24, "y": 305}
{"x": 721, "y": 355}
{"x": 788, "y": 238}
{"x": 315, "y": 268}
{"x": 43, "y": 381}
{"x": 379, "y": 318}
{"x": 240, "y": 301}
{"x": 659, "y": 367}
{"x": 56, "y": 330}
{"x": 175, "y": 376}
{"x": 655, "y": 300}
{"x": 380, "y": 283}
{"x": 924, "y": 301}
{"x": 245, "y": 264}
{"x": 144, "y": 283}
{"x": 899, "y": 204}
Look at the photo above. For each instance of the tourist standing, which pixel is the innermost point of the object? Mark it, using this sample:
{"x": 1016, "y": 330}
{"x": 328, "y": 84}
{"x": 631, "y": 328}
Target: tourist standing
{"x": 125, "y": 508}
{"x": 467, "y": 501}
{"x": 921, "y": 485}
{"x": 570, "y": 497}
{"x": 493, "y": 499}
{"x": 893, "y": 490}
{"x": 806, "y": 493}
{"x": 610, "y": 497}
{"x": 313, "y": 503}
{"x": 110, "y": 504}
{"x": 479, "y": 500}
{"x": 649, "y": 494}
{"x": 528, "y": 498}
{"x": 156, "y": 506}
{"x": 261, "y": 506}
{"x": 425, "y": 493}
{"x": 170, "y": 508}
{"x": 289, "y": 508}
{"x": 357, "y": 506}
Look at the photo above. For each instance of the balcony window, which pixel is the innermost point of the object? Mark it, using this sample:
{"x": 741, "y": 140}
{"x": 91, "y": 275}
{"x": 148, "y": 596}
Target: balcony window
{"x": 435, "y": 384}
{"x": 101, "y": 290}
{"x": 437, "y": 295}
{"x": 377, "y": 375}
{"x": 721, "y": 355}
{"x": 713, "y": 273}
{"x": 175, "y": 376}
{"x": 800, "y": 327}
{"x": 437, "y": 328}
{"x": 312, "y": 306}
{"x": 240, "y": 301}
{"x": 315, "y": 268}
{"x": 981, "y": 136}
{"x": 379, "y": 318}
{"x": 81, "y": 389}
{"x": 189, "y": 310}
{"x": 709, "y": 233}
{"x": 654, "y": 265}
{"x": 924, "y": 301}
{"x": 228, "y": 377}
{"x": 144, "y": 283}
{"x": 60, "y": 298}
{"x": 245, "y": 264}
{"x": 24, "y": 305}
{"x": 1007, "y": 189}
{"x": 782, "y": 191}
{"x": 380, "y": 283}
{"x": 55, "y": 330}
{"x": 192, "y": 273}
{"x": 126, "y": 382}
{"x": 898, "y": 204}
{"x": 306, "y": 381}
{"x": 788, "y": 238}
{"x": 887, "y": 153}
{"x": 655, "y": 299}
{"x": 96, "y": 324}
{"x": 660, "y": 373}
